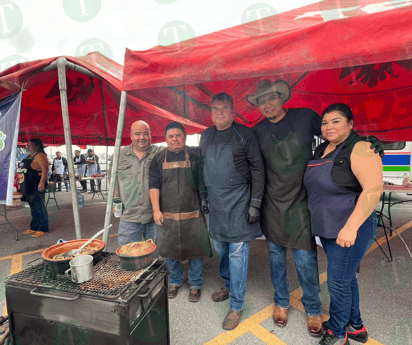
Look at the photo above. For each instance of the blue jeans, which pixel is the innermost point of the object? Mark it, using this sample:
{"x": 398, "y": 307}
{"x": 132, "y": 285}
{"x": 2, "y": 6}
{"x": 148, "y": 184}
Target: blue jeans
{"x": 194, "y": 273}
{"x": 234, "y": 260}
{"x": 40, "y": 218}
{"x": 342, "y": 282}
{"x": 307, "y": 268}
{"x": 133, "y": 232}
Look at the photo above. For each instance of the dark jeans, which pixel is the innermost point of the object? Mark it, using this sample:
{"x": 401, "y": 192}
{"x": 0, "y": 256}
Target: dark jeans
{"x": 84, "y": 185}
{"x": 40, "y": 218}
{"x": 342, "y": 282}
{"x": 99, "y": 182}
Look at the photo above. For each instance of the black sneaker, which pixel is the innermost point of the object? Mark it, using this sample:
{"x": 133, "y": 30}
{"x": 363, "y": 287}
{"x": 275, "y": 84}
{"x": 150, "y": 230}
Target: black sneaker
{"x": 360, "y": 335}
{"x": 329, "y": 338}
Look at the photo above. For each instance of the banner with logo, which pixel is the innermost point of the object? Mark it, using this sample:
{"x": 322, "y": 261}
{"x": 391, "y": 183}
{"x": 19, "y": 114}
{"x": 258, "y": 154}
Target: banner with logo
{"x": 9, "y": 130}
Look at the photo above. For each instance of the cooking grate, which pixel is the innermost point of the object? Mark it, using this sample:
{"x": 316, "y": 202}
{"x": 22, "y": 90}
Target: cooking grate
{"x": 109, "y": 279}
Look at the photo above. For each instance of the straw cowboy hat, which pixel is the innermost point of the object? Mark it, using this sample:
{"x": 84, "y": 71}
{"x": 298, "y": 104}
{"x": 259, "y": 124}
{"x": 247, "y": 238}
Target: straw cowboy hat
{"x": 266, "y": 86}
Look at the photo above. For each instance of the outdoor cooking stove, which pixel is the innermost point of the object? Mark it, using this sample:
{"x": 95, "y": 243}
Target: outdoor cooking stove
{"x": 115, "y": 307}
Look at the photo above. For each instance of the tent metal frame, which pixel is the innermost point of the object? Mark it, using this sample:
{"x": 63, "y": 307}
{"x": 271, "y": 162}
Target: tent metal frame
{"x": 61, "y": 64}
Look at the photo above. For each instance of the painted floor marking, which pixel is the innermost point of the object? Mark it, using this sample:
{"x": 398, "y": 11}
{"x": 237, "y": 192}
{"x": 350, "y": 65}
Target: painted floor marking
{"x": 252, "y": 324}
{"x": 17, "y": 263}
{"x": 382, "y": 240}
{"x": 66, "y": 209}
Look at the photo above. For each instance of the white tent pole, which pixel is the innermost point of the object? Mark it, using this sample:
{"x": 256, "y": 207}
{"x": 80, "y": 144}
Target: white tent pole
{"x": 107, "y": 160}
{"x": 61, "y": 68}
{"x": 115, "y": 158}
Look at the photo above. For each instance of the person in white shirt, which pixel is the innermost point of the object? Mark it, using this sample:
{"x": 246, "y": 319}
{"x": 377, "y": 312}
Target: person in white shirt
{"x": 60, "y": 167}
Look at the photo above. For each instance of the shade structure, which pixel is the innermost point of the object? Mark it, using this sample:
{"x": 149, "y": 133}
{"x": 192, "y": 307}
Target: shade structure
{"x": 358, "y": 52}
{"x": 93, "y": 102}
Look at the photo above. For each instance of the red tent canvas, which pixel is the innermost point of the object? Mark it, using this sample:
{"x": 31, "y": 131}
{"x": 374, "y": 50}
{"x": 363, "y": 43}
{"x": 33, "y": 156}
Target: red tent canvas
{"x": 358, "y": 52}
{"x": 93, "y": 103}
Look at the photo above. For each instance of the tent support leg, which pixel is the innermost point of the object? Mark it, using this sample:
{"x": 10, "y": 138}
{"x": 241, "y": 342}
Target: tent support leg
{"x": 61, "y": 68}
{"x": 115, "y": 161}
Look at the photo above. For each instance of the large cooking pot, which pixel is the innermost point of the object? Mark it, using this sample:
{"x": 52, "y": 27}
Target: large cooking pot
{"x": 60, "y": 266}
{"x": 141, "y": 260}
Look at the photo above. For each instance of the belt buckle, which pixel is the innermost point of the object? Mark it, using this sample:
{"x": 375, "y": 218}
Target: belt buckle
{"x": 177, "y": 165}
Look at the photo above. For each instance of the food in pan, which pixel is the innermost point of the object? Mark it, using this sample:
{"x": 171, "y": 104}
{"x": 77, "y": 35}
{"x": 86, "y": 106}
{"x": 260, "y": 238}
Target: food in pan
{"x": 88, "y": 250}
{"x": 136, "y": 248}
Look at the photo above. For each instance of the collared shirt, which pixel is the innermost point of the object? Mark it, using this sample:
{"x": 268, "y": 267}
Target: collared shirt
{"x": 133, "y": 184}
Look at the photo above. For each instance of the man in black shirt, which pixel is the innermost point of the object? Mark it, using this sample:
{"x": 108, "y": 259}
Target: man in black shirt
{"x": 176, "y": 178}
{"x": 234, "y": 176}
{"x": 285, "y": 138}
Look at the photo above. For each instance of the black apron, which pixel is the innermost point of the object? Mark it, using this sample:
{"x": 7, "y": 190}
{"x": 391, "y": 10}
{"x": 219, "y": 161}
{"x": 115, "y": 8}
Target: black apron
{"x": 184, "y": 232}
{"x": 285, "y": 213}
{"x": 31, "y": 176}
{"x": 330, "y": 205}
{"x": 229, "y": 197}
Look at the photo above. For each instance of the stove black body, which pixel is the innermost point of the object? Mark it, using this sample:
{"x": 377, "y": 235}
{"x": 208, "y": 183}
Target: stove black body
{"x": 48, "y": 316}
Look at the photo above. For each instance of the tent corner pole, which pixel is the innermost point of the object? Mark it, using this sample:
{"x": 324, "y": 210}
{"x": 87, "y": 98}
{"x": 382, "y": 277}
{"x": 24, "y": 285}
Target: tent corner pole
{"x": 61, "y": 68}
{"x": 115, "y": 161}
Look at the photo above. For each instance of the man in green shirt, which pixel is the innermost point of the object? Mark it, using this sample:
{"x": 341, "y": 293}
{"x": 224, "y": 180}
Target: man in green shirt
{"x": 133, "y": 186}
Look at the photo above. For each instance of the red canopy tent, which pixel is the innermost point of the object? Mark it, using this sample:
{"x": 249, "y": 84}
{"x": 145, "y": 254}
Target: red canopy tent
{"x": 81, "y": 105}
{"x": 93, "y": 102}
{"x": 358, "y": 52}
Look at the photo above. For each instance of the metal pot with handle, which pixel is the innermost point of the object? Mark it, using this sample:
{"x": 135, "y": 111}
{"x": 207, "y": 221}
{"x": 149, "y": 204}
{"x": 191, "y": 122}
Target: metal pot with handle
{"x": 136, "y": 255}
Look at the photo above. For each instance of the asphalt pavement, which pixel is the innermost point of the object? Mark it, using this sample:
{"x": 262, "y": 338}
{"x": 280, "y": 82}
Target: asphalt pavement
{"x": 385, "y": 288}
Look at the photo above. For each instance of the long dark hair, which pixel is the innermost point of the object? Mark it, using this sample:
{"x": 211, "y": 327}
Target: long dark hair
{"x": 38, "y": 143}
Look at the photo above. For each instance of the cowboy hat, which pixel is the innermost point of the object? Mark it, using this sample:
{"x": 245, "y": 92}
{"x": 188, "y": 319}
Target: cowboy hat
{"x": 266, "y": 86}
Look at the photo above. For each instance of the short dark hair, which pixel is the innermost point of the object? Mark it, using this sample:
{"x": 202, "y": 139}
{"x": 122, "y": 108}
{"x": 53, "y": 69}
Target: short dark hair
{"x": 58, "y": 152}
{"x": 90, "y": 150}
{"x": 38, "y": 143}
{"x": 342, "y": 108}
{"x": 177, "y": 125}
{"x": 222, "y": 96}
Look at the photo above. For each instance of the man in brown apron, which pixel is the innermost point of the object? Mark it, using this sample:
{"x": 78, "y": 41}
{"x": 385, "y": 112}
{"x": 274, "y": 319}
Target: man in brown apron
{"x": 176, "y": 178}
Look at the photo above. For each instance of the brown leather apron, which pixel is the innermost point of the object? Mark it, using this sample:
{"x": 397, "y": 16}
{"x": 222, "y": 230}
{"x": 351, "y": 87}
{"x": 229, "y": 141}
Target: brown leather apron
{"x": 184, "y": 232}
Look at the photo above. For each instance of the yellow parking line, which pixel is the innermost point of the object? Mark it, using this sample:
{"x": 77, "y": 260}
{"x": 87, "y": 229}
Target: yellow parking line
{"x": 67, "y": 209}
{"x": 21, "y": 254}
{"x": 267, "y": 337}
{"x": 252, "y": 324}
{"x": 382, "y": 240}
{"x": 34, "y": 251}
{"x": 16, "y": 266}
{"x": 243, "y": 328}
